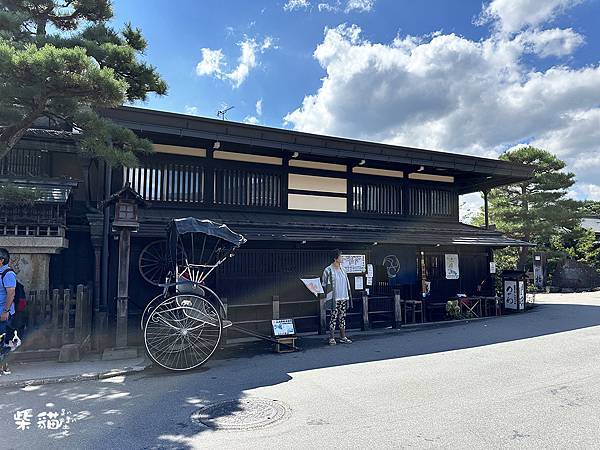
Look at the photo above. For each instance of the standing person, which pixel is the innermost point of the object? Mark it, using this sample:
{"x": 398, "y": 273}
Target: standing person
{"x": 8, "y": 284}
{"x": 338, "y": 293}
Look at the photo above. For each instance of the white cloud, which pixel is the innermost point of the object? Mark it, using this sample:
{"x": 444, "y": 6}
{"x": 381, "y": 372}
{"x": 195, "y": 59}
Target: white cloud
{"x": 334, "y": 6}
{"x": 293, "y": 5}
{"x": 513, "y": 15}
{"x": 591, "y": 191}
{"x": 252, "y": 120}
{"x": 449, "y": 93}
{"x": 359, "y": 5}
{"x": 328, "y": 7}
{"x": 469, "y": 206}
{"x": 191, "y": 110}
{"x": 259, "y": 106}
{"x": 555, "y": 42}
{"x": 212, "y": 62}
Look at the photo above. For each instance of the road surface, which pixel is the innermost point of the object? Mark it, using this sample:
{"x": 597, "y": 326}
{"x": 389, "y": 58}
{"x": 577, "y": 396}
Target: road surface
{"x": 520, "y": 381}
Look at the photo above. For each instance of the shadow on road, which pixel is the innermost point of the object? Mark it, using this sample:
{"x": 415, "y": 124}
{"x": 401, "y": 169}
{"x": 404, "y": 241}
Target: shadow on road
{"x": 113, "y": 412}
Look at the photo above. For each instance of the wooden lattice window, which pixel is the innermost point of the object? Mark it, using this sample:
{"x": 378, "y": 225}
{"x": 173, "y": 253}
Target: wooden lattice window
{"x": 425, "y": 201}
{"x": 241, "y": 187}
{"x": 377, "y": 198}
{"x": 182, "y": 183}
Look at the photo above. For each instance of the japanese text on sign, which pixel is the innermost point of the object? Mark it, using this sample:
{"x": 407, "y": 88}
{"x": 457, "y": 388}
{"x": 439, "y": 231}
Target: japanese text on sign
{"x": 354, "y": 263}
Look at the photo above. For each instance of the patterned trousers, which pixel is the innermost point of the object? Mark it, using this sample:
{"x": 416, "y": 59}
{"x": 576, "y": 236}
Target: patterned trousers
{"x": 339, "y": 313}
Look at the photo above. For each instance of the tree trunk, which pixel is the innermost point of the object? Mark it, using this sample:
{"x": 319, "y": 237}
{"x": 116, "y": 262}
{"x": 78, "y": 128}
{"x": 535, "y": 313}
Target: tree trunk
{"x": 526, "y": 235}
{"x": 11, "y": 134}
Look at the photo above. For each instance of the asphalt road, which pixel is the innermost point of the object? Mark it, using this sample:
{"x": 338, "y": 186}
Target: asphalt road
{"x": 526, "y": 381}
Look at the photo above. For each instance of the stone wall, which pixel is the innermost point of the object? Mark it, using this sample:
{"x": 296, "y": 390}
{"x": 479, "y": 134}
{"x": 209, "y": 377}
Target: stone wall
{"x": 30, "y": 258}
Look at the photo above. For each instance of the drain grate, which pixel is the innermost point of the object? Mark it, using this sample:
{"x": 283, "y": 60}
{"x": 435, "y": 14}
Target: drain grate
{"x": 244, "y": 414}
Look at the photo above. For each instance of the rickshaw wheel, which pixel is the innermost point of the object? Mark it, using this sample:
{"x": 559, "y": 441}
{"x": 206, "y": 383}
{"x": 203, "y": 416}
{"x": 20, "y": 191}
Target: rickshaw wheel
{"x": 153, "y": 262}
{"x": 182, "y": 332}
{"x": 148, "y": 309}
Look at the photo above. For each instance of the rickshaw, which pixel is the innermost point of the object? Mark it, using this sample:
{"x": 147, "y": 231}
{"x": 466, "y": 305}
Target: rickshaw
{"x": 183, "y": 325}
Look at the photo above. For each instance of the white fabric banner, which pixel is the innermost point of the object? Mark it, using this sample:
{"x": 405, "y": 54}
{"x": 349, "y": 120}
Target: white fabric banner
{"x": 452, "y": 272}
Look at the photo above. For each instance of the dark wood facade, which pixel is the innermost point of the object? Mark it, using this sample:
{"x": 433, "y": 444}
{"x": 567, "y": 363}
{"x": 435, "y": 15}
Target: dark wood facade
{"x": 295, "y": 196}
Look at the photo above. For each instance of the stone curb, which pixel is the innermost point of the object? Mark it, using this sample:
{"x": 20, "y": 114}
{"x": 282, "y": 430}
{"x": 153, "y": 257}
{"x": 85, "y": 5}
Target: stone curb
{"x": 75, "y": 378}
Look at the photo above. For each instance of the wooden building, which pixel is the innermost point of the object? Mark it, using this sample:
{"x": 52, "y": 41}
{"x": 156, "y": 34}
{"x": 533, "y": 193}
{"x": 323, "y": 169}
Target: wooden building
{"x": 295, "y": 196}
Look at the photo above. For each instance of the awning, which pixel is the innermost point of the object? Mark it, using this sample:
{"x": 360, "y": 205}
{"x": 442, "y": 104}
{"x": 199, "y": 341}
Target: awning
{"x": 304, "y": 227}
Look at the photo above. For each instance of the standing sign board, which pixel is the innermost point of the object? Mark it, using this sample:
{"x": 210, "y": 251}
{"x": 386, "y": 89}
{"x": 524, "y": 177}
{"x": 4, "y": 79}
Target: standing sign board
{"x": 313, "y": 285}
{"x": 510, "y": 294}
{"x": 283, "y": 327}
{"x": 521, "y": 295}
{"x": 452, "y": 272}
{"x": 514, "y": 286}
{"x": 354, "y": 263}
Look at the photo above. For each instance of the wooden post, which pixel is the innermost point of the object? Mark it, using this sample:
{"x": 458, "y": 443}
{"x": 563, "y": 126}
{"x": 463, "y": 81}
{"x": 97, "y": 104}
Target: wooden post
{"x": 87, "y": 317}
{"x": 350, "y": 189}
{"x": 33, "y": 305}
{"x": 322, "y": 315}
{"x": 397, "y": 309}
{"x": 123, "y": 287}
{"x": 209, "y": 178}
{"x": 65, "y": 318}
{"x": 55, "y": 328}
{"x": 275, "y": 307}
{"x": 285, "y": 182}
{"x": 43, "y": 304}
{"x": 365, "y": 313}
{"x": 486, "y": 216}
{"x": 79, "y": 314}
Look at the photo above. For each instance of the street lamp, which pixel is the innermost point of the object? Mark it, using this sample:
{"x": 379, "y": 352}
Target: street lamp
{"x": 126, "y": 221}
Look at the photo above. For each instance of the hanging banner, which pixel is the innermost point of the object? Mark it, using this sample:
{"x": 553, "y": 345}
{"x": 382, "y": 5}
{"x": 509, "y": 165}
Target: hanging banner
{"x": 521, "y": 295}
{"x": 313, "y": 285}
{"x": 538, "y": 276}
{"x": 354, "y": 263}
{"x": 452, "y": 272}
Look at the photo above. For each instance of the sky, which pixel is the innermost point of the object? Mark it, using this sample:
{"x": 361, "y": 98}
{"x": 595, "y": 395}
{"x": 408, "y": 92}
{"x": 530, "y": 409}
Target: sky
{"x": 458, "y": 76}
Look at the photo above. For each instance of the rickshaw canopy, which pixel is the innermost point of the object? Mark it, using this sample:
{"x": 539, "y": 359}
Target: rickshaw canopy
{"x": 188, "y": 225}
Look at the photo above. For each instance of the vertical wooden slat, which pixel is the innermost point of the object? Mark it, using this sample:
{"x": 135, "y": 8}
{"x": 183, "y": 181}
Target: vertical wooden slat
{"x": 33, "y": 302}
{"x": 79, "y": 314}
{"x": 66, "y": 300}
{"x": 365, "y": 312}
{"x": 275, "y": 307}
{"x": 55, "y": 308}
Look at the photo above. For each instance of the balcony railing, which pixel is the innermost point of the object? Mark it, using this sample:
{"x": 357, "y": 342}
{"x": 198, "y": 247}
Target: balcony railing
{"x": 25, "y": 162}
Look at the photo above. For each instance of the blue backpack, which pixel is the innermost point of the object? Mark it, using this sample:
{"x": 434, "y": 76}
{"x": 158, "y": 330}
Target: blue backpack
{"x": 20, "y": 300}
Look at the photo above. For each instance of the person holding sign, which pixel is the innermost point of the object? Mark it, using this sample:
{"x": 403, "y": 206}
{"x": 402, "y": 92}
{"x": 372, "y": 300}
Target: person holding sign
{"x": 338, "y": 293}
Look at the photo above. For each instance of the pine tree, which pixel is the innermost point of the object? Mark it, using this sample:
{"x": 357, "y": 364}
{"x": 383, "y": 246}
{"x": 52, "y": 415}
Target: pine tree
{"x": 537, "y": 209}
{"x": 61, "y": 60}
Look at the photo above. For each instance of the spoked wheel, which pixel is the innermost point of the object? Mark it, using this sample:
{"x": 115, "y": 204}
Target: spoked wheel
{"x": 148, "y": 309}
{"x": 182, "y": 332}
{"x": 154, "y": 262}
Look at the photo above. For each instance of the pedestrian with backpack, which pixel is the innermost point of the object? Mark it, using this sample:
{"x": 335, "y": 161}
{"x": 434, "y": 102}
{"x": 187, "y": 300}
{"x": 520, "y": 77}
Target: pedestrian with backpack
{"x": 8, "y": 284}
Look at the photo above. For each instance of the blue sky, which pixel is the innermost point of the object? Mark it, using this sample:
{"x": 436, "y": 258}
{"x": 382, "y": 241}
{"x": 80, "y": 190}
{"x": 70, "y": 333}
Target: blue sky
{"x": 462, "y": 76}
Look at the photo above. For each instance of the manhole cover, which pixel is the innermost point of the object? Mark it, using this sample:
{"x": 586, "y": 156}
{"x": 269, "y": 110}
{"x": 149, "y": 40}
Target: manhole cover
{"x": 245, "y": 414}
